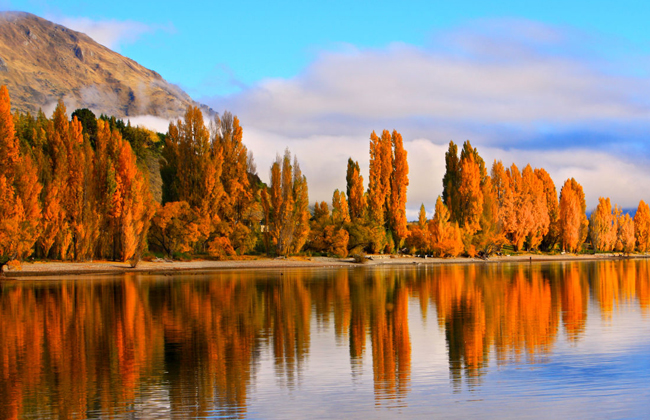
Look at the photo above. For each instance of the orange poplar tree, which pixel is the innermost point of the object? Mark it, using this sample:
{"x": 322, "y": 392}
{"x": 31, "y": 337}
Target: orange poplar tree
{"x": 19, "y": 189}
{"x": 355, "y": 194}
{"x": 603, "y": 227}
{"x": 286, "y": 207}
{"x": 470, "y": 196}
{"x": 451, "y": 180}
{"x": 399, "y": 184}
{"x": 328, "y": 233}
{"x": 379, "y": 177}
{"x": 625, "y": 234}
{"x": 446, "y": 239}
{"x": 642, "y": 226}
{"x": 238, "y": 207}
{"x": 135, "y": 207}
{"x": 418, "y": 239}
{"x": 573, "y": 219}
{"x": 191, "y": 172}
{"x": 533, "y": 190}
{"x": 552, "y": 209}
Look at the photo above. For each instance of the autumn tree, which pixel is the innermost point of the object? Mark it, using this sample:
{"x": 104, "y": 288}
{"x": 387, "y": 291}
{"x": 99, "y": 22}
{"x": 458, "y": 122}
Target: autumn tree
{"x": 301, "y": 208}
{"x": 340, "y": 212}
{"x": 328, "y": 233}
{"x": 451, "y": 180}
{"x": 19, "y": 189}
{"x": 418, "y": 238}
{"x": 533, "y": 189}
{"x": 399, "y": 183}
{"x": 573, "y": 219}
{"x": 133, "y": 203}
{"x": 355, "y": 194}
{"x": 602, "y": 226}
{"x": 625, "y": 234}
{"x": 490, "y": 237}
{"x": 386, "y": 196}
{"x": 642, "y": 226}
{"x": 174, "y": 228}
{"x": 446, "y": 237}
{"x": 523, "y": 210}
{"x": 320, "y": 220}
{"x": 379, "y": 178}
{"x": 286, "y": 206}
{"x": 191, "y": 171}
{"x": 470, "y": 195}
{"x": 237, "y": 206}
{"x": 552, "y": 208}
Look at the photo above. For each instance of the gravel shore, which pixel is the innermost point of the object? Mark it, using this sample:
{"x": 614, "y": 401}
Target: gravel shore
{"x": 55, "y": 269}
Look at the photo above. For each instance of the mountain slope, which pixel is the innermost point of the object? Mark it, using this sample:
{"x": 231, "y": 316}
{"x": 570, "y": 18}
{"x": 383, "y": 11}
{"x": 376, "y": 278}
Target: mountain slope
{"x": 42, "y": 62}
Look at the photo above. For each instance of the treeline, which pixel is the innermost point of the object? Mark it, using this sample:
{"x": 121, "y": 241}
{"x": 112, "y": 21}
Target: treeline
{"x": 480, "y": 213}
{"x": 80, "y": 188}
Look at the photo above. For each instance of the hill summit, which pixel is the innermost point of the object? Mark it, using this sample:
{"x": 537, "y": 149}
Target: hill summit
{"x": 42, "y": 62}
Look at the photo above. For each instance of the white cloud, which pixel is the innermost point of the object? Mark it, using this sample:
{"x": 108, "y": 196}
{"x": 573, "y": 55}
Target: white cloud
{"x": 110, "y": 33}
{"x": 404, "y": 82}
{"x": 157, "y": 124}
{"x": 520, "y": 91}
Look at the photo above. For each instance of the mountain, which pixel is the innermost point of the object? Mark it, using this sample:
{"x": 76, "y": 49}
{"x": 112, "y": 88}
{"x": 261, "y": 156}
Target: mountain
{"x": 42, "y": 62}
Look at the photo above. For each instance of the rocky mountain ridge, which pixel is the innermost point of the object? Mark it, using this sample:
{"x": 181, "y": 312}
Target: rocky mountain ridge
{"x": 42, "y": 62}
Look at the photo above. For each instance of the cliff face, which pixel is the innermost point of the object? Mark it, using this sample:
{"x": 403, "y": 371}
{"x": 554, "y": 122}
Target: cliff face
{"x": 42, "y": 62}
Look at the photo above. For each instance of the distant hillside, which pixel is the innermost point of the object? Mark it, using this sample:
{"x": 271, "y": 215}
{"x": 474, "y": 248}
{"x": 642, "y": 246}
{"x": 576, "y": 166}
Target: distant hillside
{"x": 41, "y": 62}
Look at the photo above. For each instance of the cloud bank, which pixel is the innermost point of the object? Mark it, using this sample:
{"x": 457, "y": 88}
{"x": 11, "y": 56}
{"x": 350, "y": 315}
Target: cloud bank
{"x": 110, "y": 33}
{"x": 519, "y": 90}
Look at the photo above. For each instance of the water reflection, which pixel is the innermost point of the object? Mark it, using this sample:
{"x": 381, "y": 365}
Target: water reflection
{"x": 192, "y": 346}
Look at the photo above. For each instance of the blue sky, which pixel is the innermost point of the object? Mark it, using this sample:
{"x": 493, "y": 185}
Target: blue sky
{"x": 559, "y": 84}
{"x": 201, "y": 45}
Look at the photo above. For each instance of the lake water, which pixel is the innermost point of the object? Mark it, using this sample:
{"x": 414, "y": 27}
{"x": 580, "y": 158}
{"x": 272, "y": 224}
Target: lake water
{"x": 547, "y": 340}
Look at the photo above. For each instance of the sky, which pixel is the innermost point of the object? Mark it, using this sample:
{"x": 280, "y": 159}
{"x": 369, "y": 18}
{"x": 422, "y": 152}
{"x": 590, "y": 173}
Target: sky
{"x": 563, "y": 85}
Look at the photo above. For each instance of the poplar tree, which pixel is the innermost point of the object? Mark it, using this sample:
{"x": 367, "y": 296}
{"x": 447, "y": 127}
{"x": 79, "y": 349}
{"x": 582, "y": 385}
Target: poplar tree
{"x": 446, "y": 240}
{"x": 642, "y": 226}
{"x": 355, "y": 194}
{"x": 602, "y": 226}
{"x": 399, "y": 184}
{"x": 451, "y": 181}
{"x": 286, "y": 207}
{"x": 552, "y": 208}
{"x": 573, "y": 220}
{"x": 19, "y": 189}
{"x": 237, "y": 207}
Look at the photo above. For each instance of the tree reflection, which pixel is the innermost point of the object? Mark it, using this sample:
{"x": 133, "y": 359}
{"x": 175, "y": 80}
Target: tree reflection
{"x": 191, "y": 346}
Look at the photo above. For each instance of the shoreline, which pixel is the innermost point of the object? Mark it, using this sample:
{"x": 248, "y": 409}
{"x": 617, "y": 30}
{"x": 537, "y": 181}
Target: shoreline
{"x": 33, "y": 270}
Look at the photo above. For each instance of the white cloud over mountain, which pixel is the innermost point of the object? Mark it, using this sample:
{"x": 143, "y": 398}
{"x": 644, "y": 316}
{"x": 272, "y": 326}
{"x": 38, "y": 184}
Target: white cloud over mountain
{"x": 110, "y": 33}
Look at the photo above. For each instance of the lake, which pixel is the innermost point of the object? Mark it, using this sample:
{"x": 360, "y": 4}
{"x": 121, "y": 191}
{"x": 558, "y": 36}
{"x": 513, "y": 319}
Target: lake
{"x": 540, "y": 340}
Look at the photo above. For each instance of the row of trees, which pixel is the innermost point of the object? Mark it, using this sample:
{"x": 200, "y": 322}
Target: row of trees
{"x": 374, "y": 220}
{"x": 62, "y": 198}
{"x": 479, "y": 213}
{"x": 80, "y": 189}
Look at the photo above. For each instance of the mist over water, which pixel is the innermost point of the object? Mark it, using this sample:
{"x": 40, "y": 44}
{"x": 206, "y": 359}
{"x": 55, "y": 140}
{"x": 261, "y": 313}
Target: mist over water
{"x": 540, "y": 340}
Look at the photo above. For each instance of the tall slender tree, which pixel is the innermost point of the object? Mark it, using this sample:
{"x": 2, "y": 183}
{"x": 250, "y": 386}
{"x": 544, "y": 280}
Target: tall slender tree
{"x": 285, "y": 206}
{"x": 642, "y": 226}
{"x": 399, "y": 184}
{"x": 573, "y": 219}
{"x": 451, "y": 181}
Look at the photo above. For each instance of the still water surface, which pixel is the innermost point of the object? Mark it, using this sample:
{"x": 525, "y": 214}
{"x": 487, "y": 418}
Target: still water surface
{"x": 548, "y": 340}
